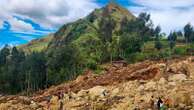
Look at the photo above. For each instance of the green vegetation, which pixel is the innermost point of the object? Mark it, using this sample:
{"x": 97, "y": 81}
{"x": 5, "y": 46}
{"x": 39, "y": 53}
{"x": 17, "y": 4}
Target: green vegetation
{"x": 106, "y": 35}
{"x": 36, "y": 45}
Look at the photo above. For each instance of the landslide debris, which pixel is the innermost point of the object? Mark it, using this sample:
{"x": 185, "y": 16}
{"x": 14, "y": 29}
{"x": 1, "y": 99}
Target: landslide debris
{"x": 118, "y": 87}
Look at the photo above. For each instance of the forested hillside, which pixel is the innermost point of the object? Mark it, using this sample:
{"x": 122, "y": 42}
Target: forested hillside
{"x": 108, "y": 34}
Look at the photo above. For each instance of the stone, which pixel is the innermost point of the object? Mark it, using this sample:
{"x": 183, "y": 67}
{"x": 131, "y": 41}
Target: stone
{"x": 115, "y": 92}
{"x": 172, "y": 83}
{"x": 162, "y": 81}
{"x": 177, "y": 78}
{"x": 150, "y": 86}
{"x": 54, "y": 100}
{"x": 24, "y": 100}
{"x": 96, "y": 92}
{"x": 140, "y": 88}
{"x": 82, "y": 93}
{"x": 34, "y": 105}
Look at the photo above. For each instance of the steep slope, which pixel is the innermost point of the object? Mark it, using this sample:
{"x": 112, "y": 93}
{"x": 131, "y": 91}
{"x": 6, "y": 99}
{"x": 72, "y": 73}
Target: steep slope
{"x": 88, "y": 26}
{"x": 37, "y": 45}
{"x": 81, "y": 30}
{"x": 85, "y": 34}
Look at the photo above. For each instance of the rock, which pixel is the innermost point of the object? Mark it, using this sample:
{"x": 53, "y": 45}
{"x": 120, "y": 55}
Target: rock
{"x": 150, "y": 86}
{"x": 140, "y": 88}
{"x": 182, "y": 106}
{"x": 177, "y": 78}
{"x": 96, "y": 92}
{"x": 172, "y": 83}
{"x": 182, "y": 98}
{"x": 54, "y": 100}
{"x": 72, "y": 95}
{"x": 82, "y": 93}
{"x": 24, "y": 100}
{"x": 115, "y": 92}
{"x": 34, "y": 105}
{"x": 162, "y": 81}
{"x": 181, "y": 67}
{"x": 66, "y": 97}
{"x": 54, "y": 103}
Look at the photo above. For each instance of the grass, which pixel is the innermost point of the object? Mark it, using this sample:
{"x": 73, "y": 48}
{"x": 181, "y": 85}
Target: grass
{"x": 37, "y": 45}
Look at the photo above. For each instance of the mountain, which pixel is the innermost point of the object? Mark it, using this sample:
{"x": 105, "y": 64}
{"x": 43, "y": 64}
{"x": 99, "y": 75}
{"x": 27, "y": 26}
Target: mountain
{"x": 89, "y": 59}
{"x": 80, "y": 30}
{"x": 36, "y": 45}
{"x": 88, "y": 27}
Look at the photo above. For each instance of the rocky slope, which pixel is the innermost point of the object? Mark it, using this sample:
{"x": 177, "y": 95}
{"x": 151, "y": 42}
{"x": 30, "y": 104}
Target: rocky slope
{"x": 118, "y": 87}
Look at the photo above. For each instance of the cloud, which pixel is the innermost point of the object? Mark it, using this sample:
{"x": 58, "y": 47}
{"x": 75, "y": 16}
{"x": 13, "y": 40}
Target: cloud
{"x": 47, "y": 13}
{"x": 20, "y": 26}
{"x": 169, "y": 14}
{"x": 164, "y": 4}
{"x": 1, "y": 24}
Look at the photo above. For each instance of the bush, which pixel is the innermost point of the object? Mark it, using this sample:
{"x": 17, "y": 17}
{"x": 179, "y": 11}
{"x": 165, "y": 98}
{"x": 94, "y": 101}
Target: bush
{"x": 159, "y": 54}
{"x": 180, "y": 51}
{"x": 136, "y": 57}
{"x": 164, "y": 54}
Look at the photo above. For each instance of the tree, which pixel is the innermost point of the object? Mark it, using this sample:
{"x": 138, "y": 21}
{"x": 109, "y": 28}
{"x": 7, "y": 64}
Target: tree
{"x": 106, "y": 26}
{"x": 172, "y": 39}
{"x": 130, "y": 43}
{"x": 179, "y": 33}
{"x": 157, "y": 31}
{"x": 141, "y": 25}
{"x": 34, "y": 68}
{"x": 14, "y": 70}
{"x": 188, "y": 31}
{"x": 144, "y": 17}
{"x": 158, "y": 45}
{"x": 5, "y": 52}
{"x": 65, "y": 64}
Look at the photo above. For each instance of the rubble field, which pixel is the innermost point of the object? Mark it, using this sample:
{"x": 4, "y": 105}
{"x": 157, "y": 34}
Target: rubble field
{"x": 118, "y": 87}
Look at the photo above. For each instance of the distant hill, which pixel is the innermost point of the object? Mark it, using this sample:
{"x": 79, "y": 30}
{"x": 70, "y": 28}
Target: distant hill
{"x": 80, "y": 30}
{"x": 37, "y": 45}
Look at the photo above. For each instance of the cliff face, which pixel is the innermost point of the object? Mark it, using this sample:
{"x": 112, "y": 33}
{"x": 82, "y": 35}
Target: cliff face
{"x": 118, "y": 87}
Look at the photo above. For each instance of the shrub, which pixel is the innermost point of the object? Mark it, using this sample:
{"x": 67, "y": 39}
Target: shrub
{"x": 180, "y": 51}
{"x": 135, "y": 57}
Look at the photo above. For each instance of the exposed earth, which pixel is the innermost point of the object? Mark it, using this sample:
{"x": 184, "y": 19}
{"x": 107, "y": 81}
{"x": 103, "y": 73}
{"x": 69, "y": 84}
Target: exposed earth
{"x": 118, "y": 87}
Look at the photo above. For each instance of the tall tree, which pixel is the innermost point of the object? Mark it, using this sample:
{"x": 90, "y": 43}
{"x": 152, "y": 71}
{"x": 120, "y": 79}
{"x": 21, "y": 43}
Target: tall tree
{"x": 5, "y": 52}
{"x": 130, "y": 43}
{"x": 35, "y": 72}
{"x": 188, "y": 31}
{"x": 172, "y": 39}
{"x": 107, "y": 26}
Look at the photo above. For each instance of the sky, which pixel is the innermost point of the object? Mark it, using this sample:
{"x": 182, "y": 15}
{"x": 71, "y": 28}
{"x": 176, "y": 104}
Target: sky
{"x": 24, "y": 20}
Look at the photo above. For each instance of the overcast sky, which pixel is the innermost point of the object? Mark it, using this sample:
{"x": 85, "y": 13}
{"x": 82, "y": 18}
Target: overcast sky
{"x": 24, "y": 20}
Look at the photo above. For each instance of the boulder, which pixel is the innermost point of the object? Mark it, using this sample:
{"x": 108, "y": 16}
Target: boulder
{"x": 140, "y": 88}
{"x": 96, "y": 92}
{"x": 54, "y": 100}
{"x": 181, "y": 67}
{"x": 162, "y": 81}
{"x": 183, "y": 98}
{"x": 34, "y": 105}
{"x": 82, "y": 93}
{"x": 177, "y": 78}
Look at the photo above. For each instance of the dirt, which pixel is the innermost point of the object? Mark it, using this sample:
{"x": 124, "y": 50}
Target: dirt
{"x": 120, "y": 86}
